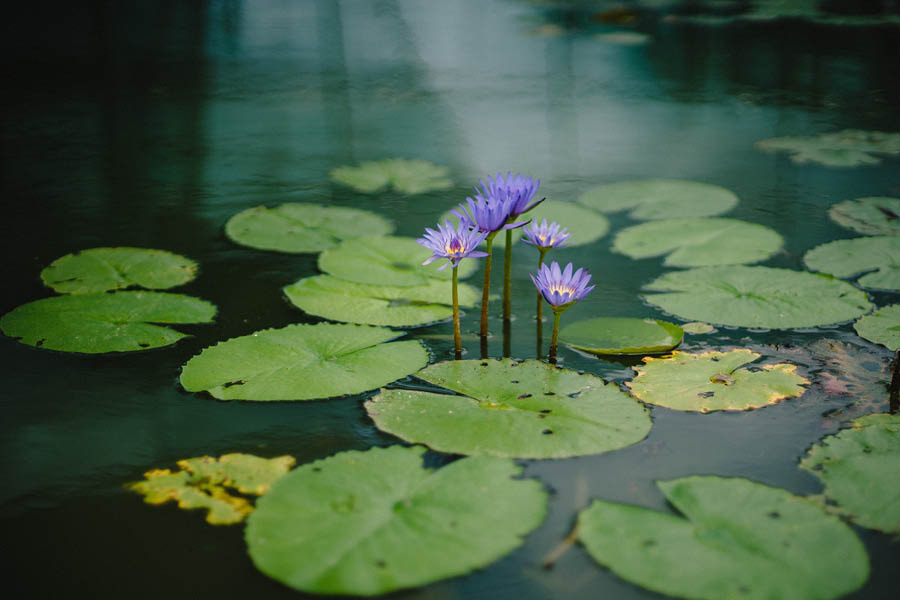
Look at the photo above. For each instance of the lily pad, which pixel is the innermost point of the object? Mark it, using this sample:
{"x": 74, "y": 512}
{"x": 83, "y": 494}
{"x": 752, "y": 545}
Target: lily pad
{"x": 102, "y": 269}
{"x": 302, "y": 362}
{"x": 881, "y": 327}
{"x": 737, "y": 539}
{"x": 699, "y": 242}
{"x": 757, "y": 297}
{"x": 649, "y": 199}
{"x": 586, "y": 226}
{"x": 109, "y": 322}
{"x": 297, "y": 227}
{"x": 505, "y": 408}
{"x": 367, "y": 523}
{"x": 621, "y": 335}
{"x": 847, "y": 148}
{"x": 874, "y": 215}
{"x": 387, "y": 260}
{"x": 849, "y": 258}
{"x": 332, "y": 298}
{"x": 405, "y": 176}
{"x": 714, "y": 381}
{"x": 697, "y": 328}
{"x": 858, "y": 468}
{"x": 202, "y": 483}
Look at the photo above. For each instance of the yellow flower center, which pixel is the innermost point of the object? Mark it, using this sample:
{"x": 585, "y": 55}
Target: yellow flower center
{"x": 561, "y": 289}
{"x": 453, "y": 247}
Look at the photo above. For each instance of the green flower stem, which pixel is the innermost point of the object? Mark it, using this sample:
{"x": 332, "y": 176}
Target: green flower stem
{"x": 457, "y": 338}
{"x": 540, "y": 298}
{"x": 486, "y": 290}
{"x": 507, "y": 270}
{"x": 555, "y": 339}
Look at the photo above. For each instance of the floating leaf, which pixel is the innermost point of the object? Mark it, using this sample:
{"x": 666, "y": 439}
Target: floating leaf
{"x": 367, "y": 523}
{"x": 405, "y": 176}
{"x": 699, "y": 242}
{"x": 621, "y": 335}
{"x": 737, "y": 539}
{"x": 649, "y": 199}
{"x": 858, "y": 467}
{"x": 387, "y": 260}
{"x": 848, "y": 258}
{"x": 302, "y": 362}
{"x": 881, "y": 327}
{"x": 714, "y": 381}
{"x": 202, "y": 481}
{"x": 847, "y": 148}
{"x": 697, "y": 327}
{"x": 874, "y": 215}
{"x": 110, "y": 322}
{"x": 525, "y": 410}
{"x": 757, "y": 297}
{"x": 102, "y": 269}
{"x": 332, "y": 298}
{"x": 297, "y": 227}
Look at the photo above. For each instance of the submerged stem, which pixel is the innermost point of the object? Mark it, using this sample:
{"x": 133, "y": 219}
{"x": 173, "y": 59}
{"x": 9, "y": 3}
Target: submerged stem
{"x": 457, "y": 338}
{"x": 507, "y": 269}
{"x": 486, "y": 290}
{"x": 555, "y": 339}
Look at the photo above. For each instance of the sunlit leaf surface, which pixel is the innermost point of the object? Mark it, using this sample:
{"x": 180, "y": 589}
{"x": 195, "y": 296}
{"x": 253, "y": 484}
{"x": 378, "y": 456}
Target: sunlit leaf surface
{"x": 736, "y": 539}
{"x": 649, "y": 199}
{"x": 849, "y": 258}
{"x": 873, "y": 215}
{"x": 102, "y": 269}
{"x": 505, "y": 408}
{"x": 621, "y": 335}
{"x": 367, "y": 523}
{"x": 881, "y": 327}
{"x": 714, "y": 381}
{"x": 303, "y": 362}
{"x": 106, "y": 322}
{"x": 405, "y": 176}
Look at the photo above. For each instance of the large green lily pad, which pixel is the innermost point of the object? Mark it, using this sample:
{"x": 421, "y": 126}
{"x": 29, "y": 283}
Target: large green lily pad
{"x": 881, "y": 327}
{"x": 405, "y": 176}
{"x": 648, "y": 199}
{"x": 873, "y": 215}
{"x": 297, "y": 227}
{"x": 714, "y": 381}
{"x": 106, "y": 322}
{"x": 621, "y": 335}
{"x": 202, "y": 483}
{"x": 847, "y": 148}
{"x": 858, "y": 467}
{"x": 699, "y": 242}
{"x": 757, "y": 297}
{"x": 367, "y": 523}
{"x": 505, "y": 408}
{"x": 302, "y": 362}
{"x": 102, "y": 269}
{"x": 848, "y": 258}
{"x": 332, "y": 298}
{"x": 387, "y": 260}
{"x": 737, "y": 539}
{"x": 586, "y": 226}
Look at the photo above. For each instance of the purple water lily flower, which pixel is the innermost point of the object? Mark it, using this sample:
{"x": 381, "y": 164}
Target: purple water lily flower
{"x": 514, "y": 191}
{"x": 546, "y": 236}
{"x": 562, "y": 288}
{"x": 452, "y": 244}
{"x": 485, "y": 214}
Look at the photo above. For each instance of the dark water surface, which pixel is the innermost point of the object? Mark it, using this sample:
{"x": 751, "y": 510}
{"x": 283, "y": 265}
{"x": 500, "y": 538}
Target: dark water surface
{"x": 149, "y": 125}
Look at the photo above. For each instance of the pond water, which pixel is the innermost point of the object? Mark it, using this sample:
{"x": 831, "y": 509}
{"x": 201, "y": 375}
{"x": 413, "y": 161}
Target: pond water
{"x": 149, "y": 125}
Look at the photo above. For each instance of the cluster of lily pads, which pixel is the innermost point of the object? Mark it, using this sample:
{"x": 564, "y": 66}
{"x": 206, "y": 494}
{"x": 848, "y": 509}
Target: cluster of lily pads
{"x": 375, "y": 521}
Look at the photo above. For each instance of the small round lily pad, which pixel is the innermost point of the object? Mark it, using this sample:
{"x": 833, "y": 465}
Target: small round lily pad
{"x": 621, "y": 335}
{"x": 405, "y": 176}
{"x": 858, "y": 467}
{"x": 649, "y": 199}
{"x": 387, "y": 260}
{"x": 298, "y": 227}
{"x": 881, "y": 327}
{"x": 849, "y": 258}
{"x": 874, "y": 215}
{"x": 736, "y": 539}
{"x": 699, "y": 242}
{"x": 714, "y": 381}
{"x": 102, "y": 269}
{"x": 506, "y": 408}
{"x": 757, "y": 297}
{"x": 390, "y": 306}
{"x": 367, "y": 523}
{"x": 303, "y": 362}
{"x": 108, "y": 322}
